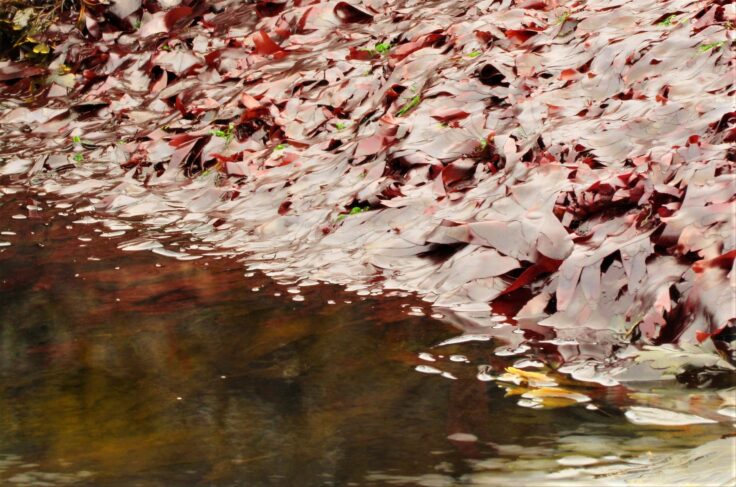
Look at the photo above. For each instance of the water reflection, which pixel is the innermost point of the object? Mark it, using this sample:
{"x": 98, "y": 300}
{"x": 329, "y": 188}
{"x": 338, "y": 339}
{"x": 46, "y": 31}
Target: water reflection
{"x": 133, "y": 369}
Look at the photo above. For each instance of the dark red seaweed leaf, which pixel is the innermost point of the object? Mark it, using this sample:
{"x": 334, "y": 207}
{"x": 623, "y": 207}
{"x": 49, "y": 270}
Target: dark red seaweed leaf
{"x": 264, "y": 44}
{"x": 349, "y": 14}
{"x": 269, "y": 9}
{"x": 12, "y": 71}
{"x": 177, "y": 17}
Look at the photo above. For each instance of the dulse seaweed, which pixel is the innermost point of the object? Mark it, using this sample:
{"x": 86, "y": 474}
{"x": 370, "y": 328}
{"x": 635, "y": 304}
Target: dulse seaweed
{"x": 573, "y": 159}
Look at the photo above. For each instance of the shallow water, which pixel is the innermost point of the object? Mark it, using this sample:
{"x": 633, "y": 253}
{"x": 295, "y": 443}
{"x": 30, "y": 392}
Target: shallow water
{"x": 129, "y": 368}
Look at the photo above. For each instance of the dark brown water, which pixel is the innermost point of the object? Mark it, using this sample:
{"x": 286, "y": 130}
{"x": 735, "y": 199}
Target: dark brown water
{"x": 131, "y": 369}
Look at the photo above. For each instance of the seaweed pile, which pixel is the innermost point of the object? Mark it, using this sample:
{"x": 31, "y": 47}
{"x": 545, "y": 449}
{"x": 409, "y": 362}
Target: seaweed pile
{"x": 569, "y": 163}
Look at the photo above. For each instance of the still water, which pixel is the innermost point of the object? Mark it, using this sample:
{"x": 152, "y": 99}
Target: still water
{"x": 131, "y": 369}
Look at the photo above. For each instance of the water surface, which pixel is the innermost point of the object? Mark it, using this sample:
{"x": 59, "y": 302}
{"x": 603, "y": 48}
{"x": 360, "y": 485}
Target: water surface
{"x": 131, "y": 369}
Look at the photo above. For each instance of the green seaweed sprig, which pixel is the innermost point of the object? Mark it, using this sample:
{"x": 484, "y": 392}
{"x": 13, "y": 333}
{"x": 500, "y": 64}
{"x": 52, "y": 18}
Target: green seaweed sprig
{"x": 409, "y": 106}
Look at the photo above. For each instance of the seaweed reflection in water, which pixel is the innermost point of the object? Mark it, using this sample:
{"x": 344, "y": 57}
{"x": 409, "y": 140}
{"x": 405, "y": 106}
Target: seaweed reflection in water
{"x": 133, "y": 369}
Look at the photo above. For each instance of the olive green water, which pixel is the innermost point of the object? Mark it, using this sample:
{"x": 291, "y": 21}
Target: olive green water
{"x": 130, "y": 369}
